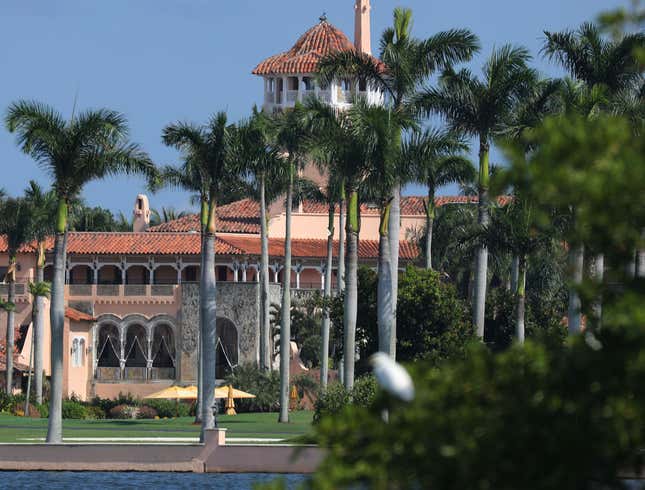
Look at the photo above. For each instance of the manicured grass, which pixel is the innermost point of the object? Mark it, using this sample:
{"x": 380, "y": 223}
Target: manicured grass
{"x": 246, "y": 425}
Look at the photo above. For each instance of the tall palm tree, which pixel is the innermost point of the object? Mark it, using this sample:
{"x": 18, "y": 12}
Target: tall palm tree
{"x": 435, "y": 159}
{"x": 91, "y": 146}
{"x": 39, "y": 291}
{"x": 42, "y": 207}
{"x": 206, "y": 153}
{"x": 611, "y": 75}
{"x": 15, "y": 224}
{"x": 350, "y": 164}
{"x": 265, "y": 171}
{"x": 166, "y": 215}
{"x": 483, "y": 109}
{"x": 289, "y": 136}
{"x": 409, "y": 64}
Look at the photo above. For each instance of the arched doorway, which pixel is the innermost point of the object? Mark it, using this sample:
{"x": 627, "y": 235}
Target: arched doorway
{"x": 108, "y": 367}
{"x": 227, "y": 348}
{"x": 136, "y": 359}
{"x": 163, "y": 353}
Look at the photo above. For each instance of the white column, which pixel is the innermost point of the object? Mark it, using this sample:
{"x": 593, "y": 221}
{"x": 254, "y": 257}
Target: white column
{"x": 300, "y": 88}
{"x": 285, "y": 89}
{"x": 245, "y": 266}
{"x": 275, "y": 90}
{"x": 96, "y": 273}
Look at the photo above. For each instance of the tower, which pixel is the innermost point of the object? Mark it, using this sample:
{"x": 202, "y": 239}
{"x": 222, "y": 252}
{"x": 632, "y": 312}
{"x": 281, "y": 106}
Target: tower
{"x": 362, "y": 32}
{"x": 141, "y": 214}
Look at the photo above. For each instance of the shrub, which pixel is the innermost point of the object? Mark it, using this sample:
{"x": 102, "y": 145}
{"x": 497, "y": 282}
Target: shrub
{"x": 43, "y": 410}
{"x": 8, "y": 403}
{"x": 124, "y": 412}
{"x": 95, "y": 413}
{"x": 472, "y": 420}
{"x": 107, "y": 404}
{"x": 335, "y": 398}
{"x": 73, "y": 409}
{"x": 169, "y": 408}
{"x": 264, "y": 385}
{"x": 146, "y": 412}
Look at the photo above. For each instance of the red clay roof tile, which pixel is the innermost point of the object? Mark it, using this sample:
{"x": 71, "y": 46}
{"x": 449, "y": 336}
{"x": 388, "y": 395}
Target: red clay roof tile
{"x": 78, "y": 316}
{"x": 303, "y": 57}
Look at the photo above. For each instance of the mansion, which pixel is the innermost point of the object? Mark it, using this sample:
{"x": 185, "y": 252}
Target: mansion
{"x": 132, "y": 297}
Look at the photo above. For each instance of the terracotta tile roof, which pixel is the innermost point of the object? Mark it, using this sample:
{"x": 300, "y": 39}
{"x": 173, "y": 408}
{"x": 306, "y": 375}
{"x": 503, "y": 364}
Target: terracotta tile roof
{"x": 237, "y": 217}
{"x": 410, "y": 205}
{"x": 316, "y": 248}
{"x": 77, "y": 316}
{"x": 303, "y": 57}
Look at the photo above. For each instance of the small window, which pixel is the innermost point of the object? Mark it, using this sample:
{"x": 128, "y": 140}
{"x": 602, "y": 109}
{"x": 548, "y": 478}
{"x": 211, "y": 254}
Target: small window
{"x": 78, "y": 351}
{"x": 222, "y": 274}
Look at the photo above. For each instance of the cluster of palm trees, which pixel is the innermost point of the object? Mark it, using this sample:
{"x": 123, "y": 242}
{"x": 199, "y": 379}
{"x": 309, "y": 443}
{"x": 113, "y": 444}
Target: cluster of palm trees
{"x": 369, "y": 152}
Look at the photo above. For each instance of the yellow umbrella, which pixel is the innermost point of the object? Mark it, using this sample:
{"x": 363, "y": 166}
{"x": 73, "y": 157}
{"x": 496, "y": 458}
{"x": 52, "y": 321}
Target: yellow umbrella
{"x": 223, "y": 392}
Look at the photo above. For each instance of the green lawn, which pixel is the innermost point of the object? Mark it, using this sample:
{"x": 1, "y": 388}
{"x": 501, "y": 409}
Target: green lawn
{"x": 247, "y": 425}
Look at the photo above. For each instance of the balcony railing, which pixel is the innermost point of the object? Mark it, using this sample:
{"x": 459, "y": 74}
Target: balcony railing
{"x": 21, "y": 289}
{"x": 292, "y": 95}
{"x": 116, "y": 290}
{"x": 134, "y": 374}
{"x": 269, "y": 97}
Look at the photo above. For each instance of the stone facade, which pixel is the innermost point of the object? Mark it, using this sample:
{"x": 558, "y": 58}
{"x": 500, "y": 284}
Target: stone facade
{"x": 237, "y": 302}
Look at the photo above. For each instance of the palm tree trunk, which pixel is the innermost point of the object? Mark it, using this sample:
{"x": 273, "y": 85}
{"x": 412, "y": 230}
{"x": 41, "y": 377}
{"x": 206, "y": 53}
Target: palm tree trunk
{"x": 598, "y": 274}
{"x": 521, "y": 301}
{"x": 57, "y": 322}
{"x": 265, "y": 325}
{"x": 38, "y": 323}
{"x": 203, "y": 219}
{"x": 481, "y": 269}
{"x": 576, "y": 264}
{"x": 285, "y": 321}
{"x": 341, "y": 244}
{"x": 324, "y": 351}
{"x": 208, "y": 322}
{"x": 30, "y": 367}
{"x": 430, "y": 215}
{"x": 394, "y": 228}
{"x": 11, "y": 299}
{"x": 515, "y": 273}
{"x": 386, "y": 342}
{"x": 351, "y": 291}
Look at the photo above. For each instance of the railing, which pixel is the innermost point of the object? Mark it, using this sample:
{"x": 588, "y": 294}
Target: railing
{"x": 140, "y": 374}
{"x": 344, "y": 96}
{"x": 292, "y": 95}
{"x": 108, "y": 373}
{"x": 162, "y": 290}
{"x": 157, "y": 373}
{"x": 269, "y": 97}
{"x": 135, "y": 290}
{"x": 325, "y": 96}
{"x": 21, "y": 289}
{"x": 116, "y": 290}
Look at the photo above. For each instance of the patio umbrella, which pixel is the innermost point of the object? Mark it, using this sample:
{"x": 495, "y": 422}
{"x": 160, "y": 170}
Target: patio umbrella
{"x": 223, "y": 392}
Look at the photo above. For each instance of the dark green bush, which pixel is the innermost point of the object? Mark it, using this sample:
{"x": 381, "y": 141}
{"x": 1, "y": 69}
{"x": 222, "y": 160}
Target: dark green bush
{"x": 336, "y": 398}
{"x": 536, "y": 417}
{"x": 124, "y": 412}
{"x": 73, "y": 409}
{"x": 95, "y": 413}
{"x": 169, "y": 408}
{"x": 264, "y": 385}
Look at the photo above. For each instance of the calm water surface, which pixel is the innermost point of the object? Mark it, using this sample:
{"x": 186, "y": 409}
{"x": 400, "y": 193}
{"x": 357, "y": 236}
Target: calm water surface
{"x": 96, "y": 480}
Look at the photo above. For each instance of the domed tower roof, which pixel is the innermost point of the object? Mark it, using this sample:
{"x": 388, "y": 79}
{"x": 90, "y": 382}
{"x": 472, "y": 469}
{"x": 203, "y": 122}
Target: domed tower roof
{"x": 304, "y": 56}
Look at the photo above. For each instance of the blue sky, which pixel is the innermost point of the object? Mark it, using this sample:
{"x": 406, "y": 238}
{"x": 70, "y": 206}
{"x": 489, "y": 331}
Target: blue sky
{"x": 159, "y": 61}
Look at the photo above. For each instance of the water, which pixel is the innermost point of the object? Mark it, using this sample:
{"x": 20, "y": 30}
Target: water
{"x": 105, "y": 480}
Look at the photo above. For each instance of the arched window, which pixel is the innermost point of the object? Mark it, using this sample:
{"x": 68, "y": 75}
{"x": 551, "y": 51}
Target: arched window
{"x": 108, "y": 346}
{"x": 163, "y": 353}
{"x": 136, "y": 346}
{"x": 227, "y": 348}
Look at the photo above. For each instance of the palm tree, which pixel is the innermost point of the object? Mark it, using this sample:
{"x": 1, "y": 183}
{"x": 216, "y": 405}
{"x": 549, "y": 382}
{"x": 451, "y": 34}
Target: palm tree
{"x": 611, "y": 76}
{"x": 482, "y": 108}
{"x": 265, "y": 170}
{"x": 435, "y": 161}
{"x": 409, "y": 64}
{"x": 207, "y": 166}
{"x": 90, "y": 146}
{"x": 350, "y": 163}
{"x": 289, "y": 137}
{"x": 42, "y": 207}
{"x": 15, "y": 224}
{"x": 166, "y": 215}
{"x": 39, "y": 290}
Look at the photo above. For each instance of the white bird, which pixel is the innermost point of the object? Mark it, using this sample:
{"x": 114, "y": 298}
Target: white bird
{"x": 392, "y": 377}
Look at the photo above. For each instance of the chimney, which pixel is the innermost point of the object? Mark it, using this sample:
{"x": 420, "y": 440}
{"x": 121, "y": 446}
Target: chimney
{"x": 362, "y": 34}
{"x": 141, "y": 214}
